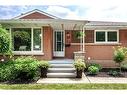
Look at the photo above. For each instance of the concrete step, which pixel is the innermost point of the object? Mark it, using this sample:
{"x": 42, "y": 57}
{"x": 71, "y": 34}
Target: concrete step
{"x": 61, "y": 70}
{"x": 61, "y": 75}
{"x": 62, "y": 66}
{"x": 63, "y": 61}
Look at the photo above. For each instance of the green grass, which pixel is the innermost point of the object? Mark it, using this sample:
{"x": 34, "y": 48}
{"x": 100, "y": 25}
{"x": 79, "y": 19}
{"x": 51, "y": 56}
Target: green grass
{"x": 62, "y": 86}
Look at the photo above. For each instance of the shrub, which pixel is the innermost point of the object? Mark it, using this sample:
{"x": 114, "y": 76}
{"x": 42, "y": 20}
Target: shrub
{"x": 93, "y": 70}
{"x": 43, "y": 64}
{"x": 4, "y": 41}
{"x": 124, "y": 66}
{"x": 21, "y": 69}
{"x": 79, "y": 64}
{"x": 26, "y": 68}
{"x": 7, "y": 71}
{"x": 114, "y": 73}
{"x": 96, "y": 65}
{"x": 119, "y": 55}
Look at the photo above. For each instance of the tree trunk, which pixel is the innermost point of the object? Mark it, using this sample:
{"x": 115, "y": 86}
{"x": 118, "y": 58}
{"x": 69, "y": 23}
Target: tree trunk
{"x": 120, "y": 68}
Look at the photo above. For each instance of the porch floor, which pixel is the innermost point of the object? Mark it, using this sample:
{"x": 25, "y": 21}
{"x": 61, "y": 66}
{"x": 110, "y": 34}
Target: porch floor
{"x": 61, "y": 61}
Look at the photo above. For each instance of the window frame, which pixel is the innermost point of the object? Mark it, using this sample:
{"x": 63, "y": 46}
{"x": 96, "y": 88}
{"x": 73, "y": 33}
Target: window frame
{"x": 32, "y": 52}
{"x": 106, "y": 36}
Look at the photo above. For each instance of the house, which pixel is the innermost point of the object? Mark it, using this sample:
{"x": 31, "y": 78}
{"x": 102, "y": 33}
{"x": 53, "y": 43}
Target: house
{"x": 47, "y": 37}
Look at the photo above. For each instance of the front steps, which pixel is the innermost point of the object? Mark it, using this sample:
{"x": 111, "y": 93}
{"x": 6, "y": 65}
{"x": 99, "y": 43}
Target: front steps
{"x": 61, "y": 71}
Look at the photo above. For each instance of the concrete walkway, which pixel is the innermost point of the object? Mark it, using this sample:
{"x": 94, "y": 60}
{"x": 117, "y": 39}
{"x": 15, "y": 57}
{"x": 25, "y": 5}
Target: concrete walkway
{"x": 63, "y": 80}
{"x": 85, "y": 79}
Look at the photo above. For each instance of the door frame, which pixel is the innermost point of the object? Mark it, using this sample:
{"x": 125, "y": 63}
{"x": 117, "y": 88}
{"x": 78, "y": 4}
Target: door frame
{"x": 63, "y": 43}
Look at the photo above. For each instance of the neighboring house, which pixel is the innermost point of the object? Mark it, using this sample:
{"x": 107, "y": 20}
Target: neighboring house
{"x": 47, "y": 37}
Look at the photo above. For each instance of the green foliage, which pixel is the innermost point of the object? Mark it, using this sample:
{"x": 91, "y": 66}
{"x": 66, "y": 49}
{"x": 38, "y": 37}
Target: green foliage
{"x": 22, "y": 35}
{"x": 124, "y": 65}
{"x": 114, "y": 73}
{"x": 79, "y": 64}
{"x": 93, "y": 70}
{"x": 96, "y": 65}
{"x": 26, "y": 68}
{"x": 43, "y": 64}
{"x": 7, "y": 71}
{"x": 119, "y": 54}
{"x": 4, "y": 41}
{"x": 79, "y": 34}
{"x": 21, "y": 69}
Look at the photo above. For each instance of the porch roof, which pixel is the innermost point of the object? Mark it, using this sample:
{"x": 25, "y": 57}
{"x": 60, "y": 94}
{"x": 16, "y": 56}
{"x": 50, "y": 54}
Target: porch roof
{"x": 63, "y": 24}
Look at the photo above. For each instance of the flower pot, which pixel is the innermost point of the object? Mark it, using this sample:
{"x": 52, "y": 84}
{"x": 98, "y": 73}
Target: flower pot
{"x": 79, "y": 74}
{"x": 44, "y": 72}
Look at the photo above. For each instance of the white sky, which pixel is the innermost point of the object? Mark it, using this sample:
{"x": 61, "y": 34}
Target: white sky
{"x": 107, "y": 10}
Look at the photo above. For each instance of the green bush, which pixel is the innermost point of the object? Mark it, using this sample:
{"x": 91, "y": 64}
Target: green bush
{"x": 21, "y": 69}
{"x": 96, "y": 65}
{"x": 124, "y": 66}
{"x": 79, "y": 64}
{"x": 119, "y": 55}
{"x": 114, "y": 73}
{"x": 93, "y": 70}
{"x": 4, "y": 41}
{"x": 7, "y": 71}
{"x": 43, "y": 64}
{"x": 26, "y": 68}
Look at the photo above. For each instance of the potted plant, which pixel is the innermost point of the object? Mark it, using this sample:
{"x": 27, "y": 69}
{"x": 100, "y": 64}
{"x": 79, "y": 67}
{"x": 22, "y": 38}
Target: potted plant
{"x": 79, "y": 34}
{"x": 44, "y": 65}
{"x": 80, "y": 66}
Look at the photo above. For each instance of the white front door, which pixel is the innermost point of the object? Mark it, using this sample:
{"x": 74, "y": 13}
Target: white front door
{"x": 59, "y": 43}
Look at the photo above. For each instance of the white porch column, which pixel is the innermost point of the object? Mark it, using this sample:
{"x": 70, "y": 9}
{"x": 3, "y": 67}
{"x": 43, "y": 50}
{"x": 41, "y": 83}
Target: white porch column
{"x": 80, "y": 40}
{"x": 83, "y": 38}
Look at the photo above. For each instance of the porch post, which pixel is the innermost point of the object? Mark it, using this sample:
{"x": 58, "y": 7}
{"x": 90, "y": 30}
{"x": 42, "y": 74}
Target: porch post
{"x": 81, "y": 48}
{"x": 83, "y": 42}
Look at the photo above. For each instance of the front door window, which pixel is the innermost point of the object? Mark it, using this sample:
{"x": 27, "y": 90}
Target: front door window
{"x": 59, "y": 43}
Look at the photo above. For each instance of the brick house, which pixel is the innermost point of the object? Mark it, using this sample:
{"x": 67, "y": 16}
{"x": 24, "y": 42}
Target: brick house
{"x": 47, "y": 37}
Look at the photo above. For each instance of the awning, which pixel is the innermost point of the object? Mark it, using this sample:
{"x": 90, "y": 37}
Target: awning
{"x": 61, "y": 24}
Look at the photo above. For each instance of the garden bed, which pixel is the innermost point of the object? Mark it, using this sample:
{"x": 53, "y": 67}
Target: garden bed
{"x": 105, "y": 73}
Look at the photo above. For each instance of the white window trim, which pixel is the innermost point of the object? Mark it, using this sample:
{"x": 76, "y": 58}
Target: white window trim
{"x": 32, "y": 52}
{"x": 106, "y": 40}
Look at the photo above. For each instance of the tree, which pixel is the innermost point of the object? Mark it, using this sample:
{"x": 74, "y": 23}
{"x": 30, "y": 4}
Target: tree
{"x": 4, "y": 41}
{"x": 119, "y": 55}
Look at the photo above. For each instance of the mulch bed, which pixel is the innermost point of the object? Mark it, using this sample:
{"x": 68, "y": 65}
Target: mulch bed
{"x": 104, "y": 73}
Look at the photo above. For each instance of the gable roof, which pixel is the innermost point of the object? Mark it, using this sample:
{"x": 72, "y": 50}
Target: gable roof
{"x": 36, "y": 11}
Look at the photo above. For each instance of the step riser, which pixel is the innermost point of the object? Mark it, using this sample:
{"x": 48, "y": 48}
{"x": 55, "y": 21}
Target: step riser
{"x": 61, "y": 71}
{"x": 60, "y": 76}
{"x": 62, "y": 67}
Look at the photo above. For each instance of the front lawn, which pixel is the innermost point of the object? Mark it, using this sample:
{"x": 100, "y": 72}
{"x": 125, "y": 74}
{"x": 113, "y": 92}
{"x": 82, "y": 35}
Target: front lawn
{"x": 63, "y": 86}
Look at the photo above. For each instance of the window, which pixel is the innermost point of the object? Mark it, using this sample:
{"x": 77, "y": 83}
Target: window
{"x": 100, "y": 36}
{"x": 26, "y": 39}
{"x": 106, "y": 36}
{"x": 37, "y": 39}
{"x": 112, "y": 36}
{"x": 21, "y": 39}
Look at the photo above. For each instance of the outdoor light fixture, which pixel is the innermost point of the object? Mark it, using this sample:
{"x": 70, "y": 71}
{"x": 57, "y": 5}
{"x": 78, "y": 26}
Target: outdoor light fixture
{"x": 89, "y": 58}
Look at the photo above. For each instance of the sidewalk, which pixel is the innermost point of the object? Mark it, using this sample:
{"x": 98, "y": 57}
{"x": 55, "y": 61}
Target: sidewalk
{"x": 84, "y": 79}
{"x": 64, "y": 80}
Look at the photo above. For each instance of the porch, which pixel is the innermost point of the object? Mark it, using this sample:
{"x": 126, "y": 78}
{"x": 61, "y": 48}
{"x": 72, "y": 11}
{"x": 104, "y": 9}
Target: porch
{"x": 53, "y": 40}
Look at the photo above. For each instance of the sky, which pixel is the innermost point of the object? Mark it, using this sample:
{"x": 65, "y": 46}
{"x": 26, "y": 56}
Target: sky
{"x": 97, "y": 10}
